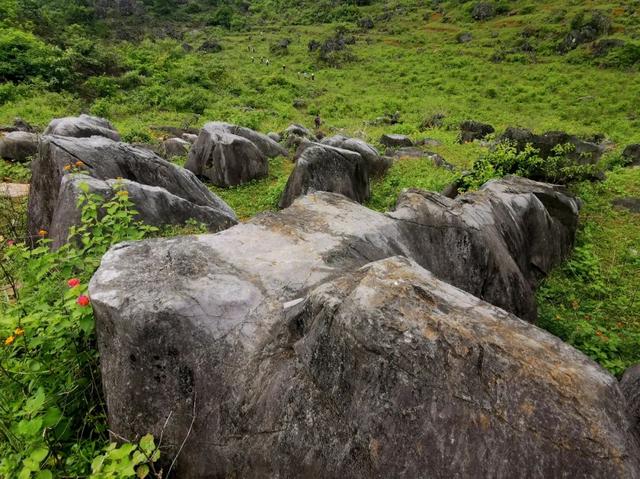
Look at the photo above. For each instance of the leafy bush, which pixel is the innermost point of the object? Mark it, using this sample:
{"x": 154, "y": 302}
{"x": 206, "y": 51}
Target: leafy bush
{"x": 506, "y": 159}
{"x": 52, "y": 417}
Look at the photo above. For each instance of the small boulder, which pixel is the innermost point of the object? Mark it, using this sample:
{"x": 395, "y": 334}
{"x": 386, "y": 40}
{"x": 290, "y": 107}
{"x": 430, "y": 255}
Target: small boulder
{"x": 604, "y": 46}
{"x": 434, "y": 121}
{"x": 631, "y": 154}
{"x": 395, "y": 141}
{"x": 210, "y": 46}
{"x": 366, "y": 23}
{"x": 474, "y": 130}
{"x": 631, "y": 204}
{"x": 483, "y": 11}
{"x": 295, "y": 134}
{"x": 19, "y": 146}
{"x": 415, "y": 152}
{"x": 226, "y": 159}
{"x": 190, "y": 137}
{"x": 325, "y": 168}
{"x": 377, "y": 165}
{"x": 464, "y": 37}
{"x": 266, "y": 145}
{"x": 82, "y": 126}
{"x": 175, "y": 147}
{"x": 275, "y": 136}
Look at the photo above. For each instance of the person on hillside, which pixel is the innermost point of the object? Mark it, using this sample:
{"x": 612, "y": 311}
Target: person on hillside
{"x": 317, "y": 121}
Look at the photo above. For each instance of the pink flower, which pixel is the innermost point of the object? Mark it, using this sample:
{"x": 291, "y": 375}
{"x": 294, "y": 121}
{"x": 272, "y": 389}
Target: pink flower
{"x": 83, "y": 300}
{"x": 73, "y": 282}
{"x": 10, "y": 242}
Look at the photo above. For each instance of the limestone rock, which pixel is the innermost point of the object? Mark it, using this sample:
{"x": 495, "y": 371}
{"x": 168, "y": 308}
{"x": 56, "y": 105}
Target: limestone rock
{"x": 82, "y": 126}
{"x": 18, "y": 146}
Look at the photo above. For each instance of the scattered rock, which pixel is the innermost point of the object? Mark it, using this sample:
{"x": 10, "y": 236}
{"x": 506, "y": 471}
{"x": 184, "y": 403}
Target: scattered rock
{"x": 584, "y": 152}
{"x": 226, "y": 159}
{"x": 18, "y": 146}
{"x": 105, "y": 159}
{"x": 434, "y": 121}
{"x": 245, "y": 344}
{"x": 266, "y": 145}
{"x": 604, "y": 46}
{"x": 295, "y": 134}
{"x": 19, "y": 125}
{"x": 176, "y": 147}
{"x": 191, "y": 138}
{"x": 632, "y": 154}
{"x": 82, "y": 126}
{"x": 585, "y": 30}
{"x": 325, "y": 168}
{"x": 275, "y": 136}
{"x": 428, "y": 142}
{"x": 366, "y": 23}
{"x": 210, "y": 46}
{"x": 630, "y": 385}
{"x": 299, "y": 103}
{"x": 464, "y": 37}
{"x": 14, "y": 190}
{"x": 173, "y": 131}
{"x": 377, "y": 165}
{"x": 474, "y": 130}
{"x": 395, "y": 141}
{"x": 415, "y": 152}
{"x": 631, "y": 204}
{"x": 483, "y": 11}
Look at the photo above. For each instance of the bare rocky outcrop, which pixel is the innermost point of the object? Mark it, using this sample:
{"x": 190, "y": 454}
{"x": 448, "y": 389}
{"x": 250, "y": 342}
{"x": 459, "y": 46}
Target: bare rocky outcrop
{"x": 83, "y": 126}
{"x": 18, "y": 146}
{"x": 264, "y": 143}
{"x": 226, "y": 159}
{"x": 291, "y": 361}
{"x": 325, "y": 168}
{"x": 105, "y": 159}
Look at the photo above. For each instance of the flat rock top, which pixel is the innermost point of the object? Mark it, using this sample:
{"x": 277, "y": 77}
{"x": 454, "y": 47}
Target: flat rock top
{"x": 14, "y": 190}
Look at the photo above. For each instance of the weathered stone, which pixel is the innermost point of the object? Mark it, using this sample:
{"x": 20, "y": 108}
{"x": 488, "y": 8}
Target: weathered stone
{"x": 325, "y": 168}
{"x": 395, "y": 141}
{"x": 483, "y": 11}
{"x": 464, "y": 37}
{"x": 266, "y": 145}
{"x": 631, "y": 204}
{"x": 275, "y": 136}
{"x": 18, "y": 146}
{"x": 226, "y": 159}
{"x": 190, "y": 137}
{"x": 377, "y": 165}
{"x": 584, "y": 152}
{"x": 176, "y": 147}
{"x": 632, "y": 154}
{"x": 13, "y": 190}
{"x": 630, "y": 385}
{"x": 155, "y": 206}
{"x": 82, "y": 126}
{"x": 415, "y": 152}
{"x": 474, "y": 130}
{"x": 233, "y": 360}
{"x": 105, "y": 159}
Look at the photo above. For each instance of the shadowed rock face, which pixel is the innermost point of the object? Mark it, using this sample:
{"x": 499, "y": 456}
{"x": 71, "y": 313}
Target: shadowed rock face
{"x": 290, "y": 374}
{"x": 18, "y": 146}
{"x": 264, "y": 143}
{"x": 325, "y": 168}
{"x": 82, "y": 126}
{"x": 330, "y": 383}
{"x": 155, "y": 206}
{"x": 226, "y": 159}
{"x": 630, "y": 385}
{"x": 104, "y": 159}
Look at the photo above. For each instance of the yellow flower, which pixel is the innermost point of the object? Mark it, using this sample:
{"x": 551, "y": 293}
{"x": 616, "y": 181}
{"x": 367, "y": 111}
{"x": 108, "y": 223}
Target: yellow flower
{"x": 79, "y": 164}
{"x": 122, "y": 193}
{"x": 43, "y": 233}
{"x": 67, "y": 167}
{"x": 9, "y": 341}
{"x": 19, "y": 332}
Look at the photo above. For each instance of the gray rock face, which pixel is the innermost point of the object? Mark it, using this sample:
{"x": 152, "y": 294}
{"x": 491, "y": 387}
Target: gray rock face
{"x": 155, "y": 206}
{"x": 471, "y": 130}
{"x": 632, "y": 154}
{"x": 483, "y": 11}
{"x": 584, "y": 152}
{"x": 105, "y": 159}
{"x": 261, "y": 378}
{"x": 226, "y": 159}
{"x": 266, "y": 145}
{"x": 82, "y": 126}
{"x": 377, "y": 165}
{"x": 189, "y": 137}
{"x": 325, "y": 168}
{"x": 630, "y": 385}
{"x": 415, "y": 152}
{"x": 18, "y": 146}
{"x": 395, "y": 141}
{"x": 298, "y": 130}
{"x": 176, "y": 147}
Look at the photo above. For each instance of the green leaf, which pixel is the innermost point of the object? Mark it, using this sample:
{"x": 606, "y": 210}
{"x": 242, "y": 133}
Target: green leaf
{"x": 143, "y": 471}
{"x": 45, "y": 474}
{"x": 147, "y": 444}
{"x": 39, "y": 454}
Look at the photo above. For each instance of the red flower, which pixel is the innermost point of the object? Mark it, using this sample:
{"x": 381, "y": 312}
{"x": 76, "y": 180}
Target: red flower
{"x": 10, "y": 242}
{"x": 73, "y": 282}
{"x": 83, "y": 300}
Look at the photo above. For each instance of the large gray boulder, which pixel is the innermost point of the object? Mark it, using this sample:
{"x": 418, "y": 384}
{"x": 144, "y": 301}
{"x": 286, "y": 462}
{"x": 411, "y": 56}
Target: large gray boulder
{"x": 377, "y": 165}
{"x": 393, "y": 140}
{"x": 266, "y": 362}
{"x": 264, "y": 143}
{"x": 325, "y": 168}
{"x": 226, "y": 159}
{"x": 471, "y": 130}
{"x": 584, "y": 152}
{"x": 104, "y": 159}
{"x": 18, "y": 146}
{"x": 154, "y": 205}
{"x": 82, "y": 126}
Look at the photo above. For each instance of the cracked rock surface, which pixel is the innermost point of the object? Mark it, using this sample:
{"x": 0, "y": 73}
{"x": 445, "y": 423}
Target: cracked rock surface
{"x": 277, "y": 352}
